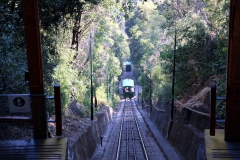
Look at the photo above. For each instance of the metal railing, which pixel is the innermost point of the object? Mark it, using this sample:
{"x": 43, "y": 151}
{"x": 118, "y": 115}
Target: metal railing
{"x": 6, "y": 116}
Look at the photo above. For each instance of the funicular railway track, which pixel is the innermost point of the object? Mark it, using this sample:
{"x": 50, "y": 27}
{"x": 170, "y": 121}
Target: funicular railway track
{"x": 130, "y": 142}
{"x": 129, "y": 138}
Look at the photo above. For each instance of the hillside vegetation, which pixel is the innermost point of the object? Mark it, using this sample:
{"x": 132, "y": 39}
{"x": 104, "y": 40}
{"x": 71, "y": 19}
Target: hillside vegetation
{"x": 145, "y": 32}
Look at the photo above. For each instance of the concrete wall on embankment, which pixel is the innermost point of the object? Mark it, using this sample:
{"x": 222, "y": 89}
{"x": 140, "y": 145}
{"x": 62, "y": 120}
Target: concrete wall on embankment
{"x": 83, "y": 146}
{"x": 187, "y": 132}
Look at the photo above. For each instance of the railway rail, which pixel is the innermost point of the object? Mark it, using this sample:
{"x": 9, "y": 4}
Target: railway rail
{"x": 129, "y": 138}
{"x": 130, "y": 142}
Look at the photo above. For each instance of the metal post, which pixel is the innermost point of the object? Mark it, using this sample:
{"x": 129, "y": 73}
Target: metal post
{"x": 95, "y": 100}
{"x": 136, "y": 92}
{"x": 107, "y": 86}
{"x": 58, "y": 109}
{"x": 173, "y": 77}
{"x": 142, "y": 87}
{"x": 110, "y": 95}
{"x": 26, "y": 76}
{"x": 113, "y": 87}
{"x": 173, "y": 80}
{"x": 91, "y": 77}
{"x": 101, "y": 139}
{"x": 213, "y": 110}
{"x": 150, "y": 97}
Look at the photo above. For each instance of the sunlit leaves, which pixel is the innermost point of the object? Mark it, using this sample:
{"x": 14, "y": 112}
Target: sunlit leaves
{"x": 135, "y": 32}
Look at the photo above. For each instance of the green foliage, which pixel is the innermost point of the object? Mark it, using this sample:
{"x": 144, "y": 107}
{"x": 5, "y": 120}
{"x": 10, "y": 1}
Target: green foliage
{"x": 110, "y": 46}
{"x": 65, "y": 27}
{"x": 161, "y": 83}
{"x": 201, "y": 50}
{"x": 101, "y": 94}
{"x": 64, "y": 75}
{"x": 12, "y": 52}
{"x": 144, "y": 32}
{"x": 201, "y": 45}
{"x": 73, "y": 68}
{"x": 135, "y": 32}
{"x": 146, "y": 49}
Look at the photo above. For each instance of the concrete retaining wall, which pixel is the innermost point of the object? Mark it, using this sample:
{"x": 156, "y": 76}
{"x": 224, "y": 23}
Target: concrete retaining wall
{"x": 187, "y": 132}
{"x": 83, "y": 147}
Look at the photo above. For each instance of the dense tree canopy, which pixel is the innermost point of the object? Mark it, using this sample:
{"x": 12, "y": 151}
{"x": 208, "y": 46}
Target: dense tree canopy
{"x": 201, "y": 30}
{"x": 143, "y": 31}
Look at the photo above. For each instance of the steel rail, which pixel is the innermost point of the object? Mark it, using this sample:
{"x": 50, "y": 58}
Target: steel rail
{"x": 133, "y": 141}
{"x": 114, "y": 123}
{"x": 140, "y": 135}
{"x": 120, "y": 133}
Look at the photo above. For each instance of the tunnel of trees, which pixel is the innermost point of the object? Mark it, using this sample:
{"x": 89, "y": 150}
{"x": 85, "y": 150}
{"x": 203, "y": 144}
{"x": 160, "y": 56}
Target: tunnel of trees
{"x": 142, "y": 31}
